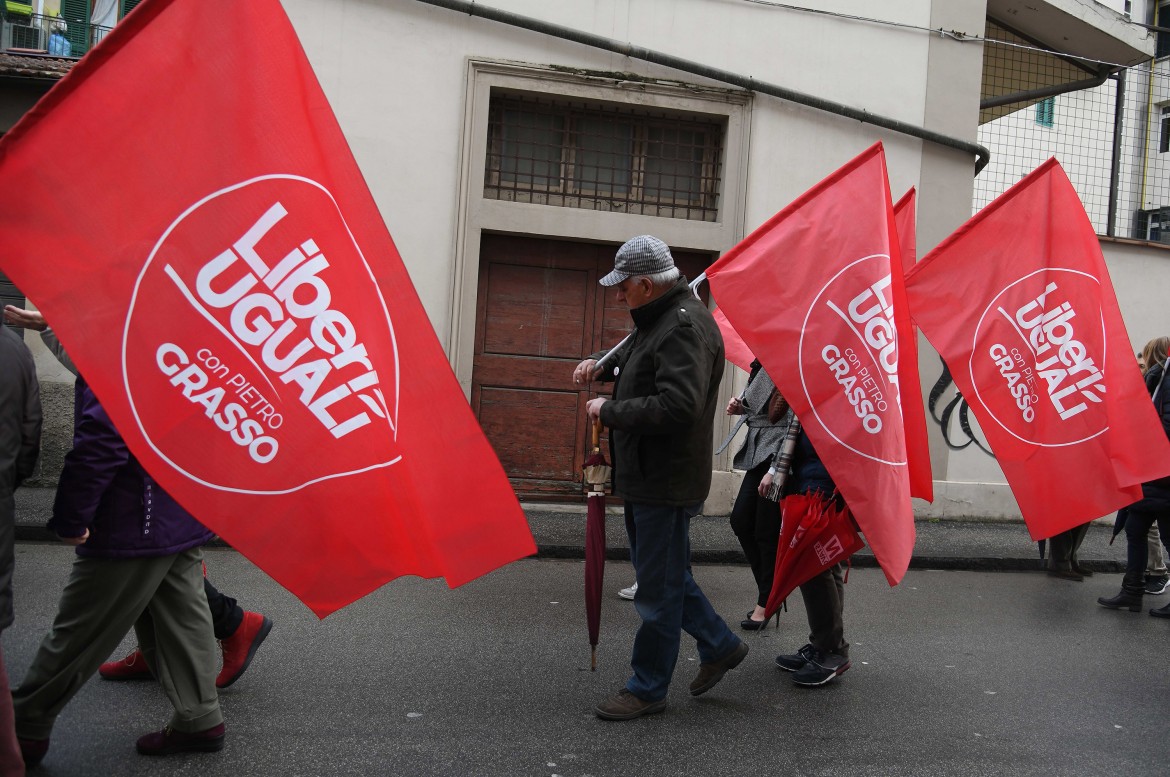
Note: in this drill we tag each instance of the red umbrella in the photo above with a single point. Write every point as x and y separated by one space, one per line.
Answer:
815 534
596 476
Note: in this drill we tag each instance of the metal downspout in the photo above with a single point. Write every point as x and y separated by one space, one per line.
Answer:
1040 94
1151 65
1115 158
983 156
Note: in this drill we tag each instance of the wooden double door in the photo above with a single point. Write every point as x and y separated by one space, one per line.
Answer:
540 310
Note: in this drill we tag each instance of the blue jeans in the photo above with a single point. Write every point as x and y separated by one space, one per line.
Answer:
669 600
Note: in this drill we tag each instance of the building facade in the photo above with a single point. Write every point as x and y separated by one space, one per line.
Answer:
510 162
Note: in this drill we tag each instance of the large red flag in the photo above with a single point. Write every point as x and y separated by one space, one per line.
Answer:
734 348
186 212
813 294
1019 303
913 413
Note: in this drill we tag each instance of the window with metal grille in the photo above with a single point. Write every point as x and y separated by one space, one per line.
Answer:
1164 137
598 157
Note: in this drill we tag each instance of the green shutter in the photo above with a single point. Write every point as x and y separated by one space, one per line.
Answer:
76 16
128 6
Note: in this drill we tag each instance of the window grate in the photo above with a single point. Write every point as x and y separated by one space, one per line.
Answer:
1113 146
602 158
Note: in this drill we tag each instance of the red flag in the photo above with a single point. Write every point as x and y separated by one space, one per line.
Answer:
813 294
814 536
1019 303
913 413
906 221
216 267
734 348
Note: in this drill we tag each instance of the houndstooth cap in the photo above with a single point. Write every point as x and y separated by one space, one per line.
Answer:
641 255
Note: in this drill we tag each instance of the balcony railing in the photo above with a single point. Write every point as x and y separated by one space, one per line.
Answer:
41 34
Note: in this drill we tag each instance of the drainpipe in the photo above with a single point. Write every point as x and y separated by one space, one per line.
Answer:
1115 160
715 74
1047 91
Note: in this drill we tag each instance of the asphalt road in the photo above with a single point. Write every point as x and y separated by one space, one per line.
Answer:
954 673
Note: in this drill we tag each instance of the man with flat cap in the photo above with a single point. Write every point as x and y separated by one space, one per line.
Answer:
661 417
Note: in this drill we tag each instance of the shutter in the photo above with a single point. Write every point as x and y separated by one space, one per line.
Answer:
128 6
76 16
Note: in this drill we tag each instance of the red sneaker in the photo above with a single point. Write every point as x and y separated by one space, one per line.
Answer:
240 648
168 741
132 667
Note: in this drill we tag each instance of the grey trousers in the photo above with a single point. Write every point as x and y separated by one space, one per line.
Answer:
1156 564
102 600
1064 547
824 605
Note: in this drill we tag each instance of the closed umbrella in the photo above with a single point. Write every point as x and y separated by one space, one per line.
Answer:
1119 523
596 476
815 534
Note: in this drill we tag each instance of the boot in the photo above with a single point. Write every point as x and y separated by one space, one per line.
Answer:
240 648
1124 600
1161 612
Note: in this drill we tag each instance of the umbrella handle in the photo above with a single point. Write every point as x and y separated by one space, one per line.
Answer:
596 434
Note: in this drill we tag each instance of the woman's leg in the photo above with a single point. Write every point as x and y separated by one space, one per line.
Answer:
743 517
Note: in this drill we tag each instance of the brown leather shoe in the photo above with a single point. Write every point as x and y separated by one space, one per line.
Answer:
710 674
168 741
624 705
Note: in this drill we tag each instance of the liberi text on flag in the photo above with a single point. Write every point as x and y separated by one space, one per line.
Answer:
813 292
241 310
1019 303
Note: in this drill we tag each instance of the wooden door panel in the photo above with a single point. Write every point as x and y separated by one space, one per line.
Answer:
493 370
527 430
540 310
535 311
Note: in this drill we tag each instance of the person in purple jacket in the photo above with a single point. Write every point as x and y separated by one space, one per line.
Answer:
239 632
137 549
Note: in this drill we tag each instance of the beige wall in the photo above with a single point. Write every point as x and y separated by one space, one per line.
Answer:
395 72
402 78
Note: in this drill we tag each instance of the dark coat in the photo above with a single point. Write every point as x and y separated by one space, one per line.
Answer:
20 443
1156 494
103 488
664 398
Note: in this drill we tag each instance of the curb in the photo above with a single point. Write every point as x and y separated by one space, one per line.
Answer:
861 560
